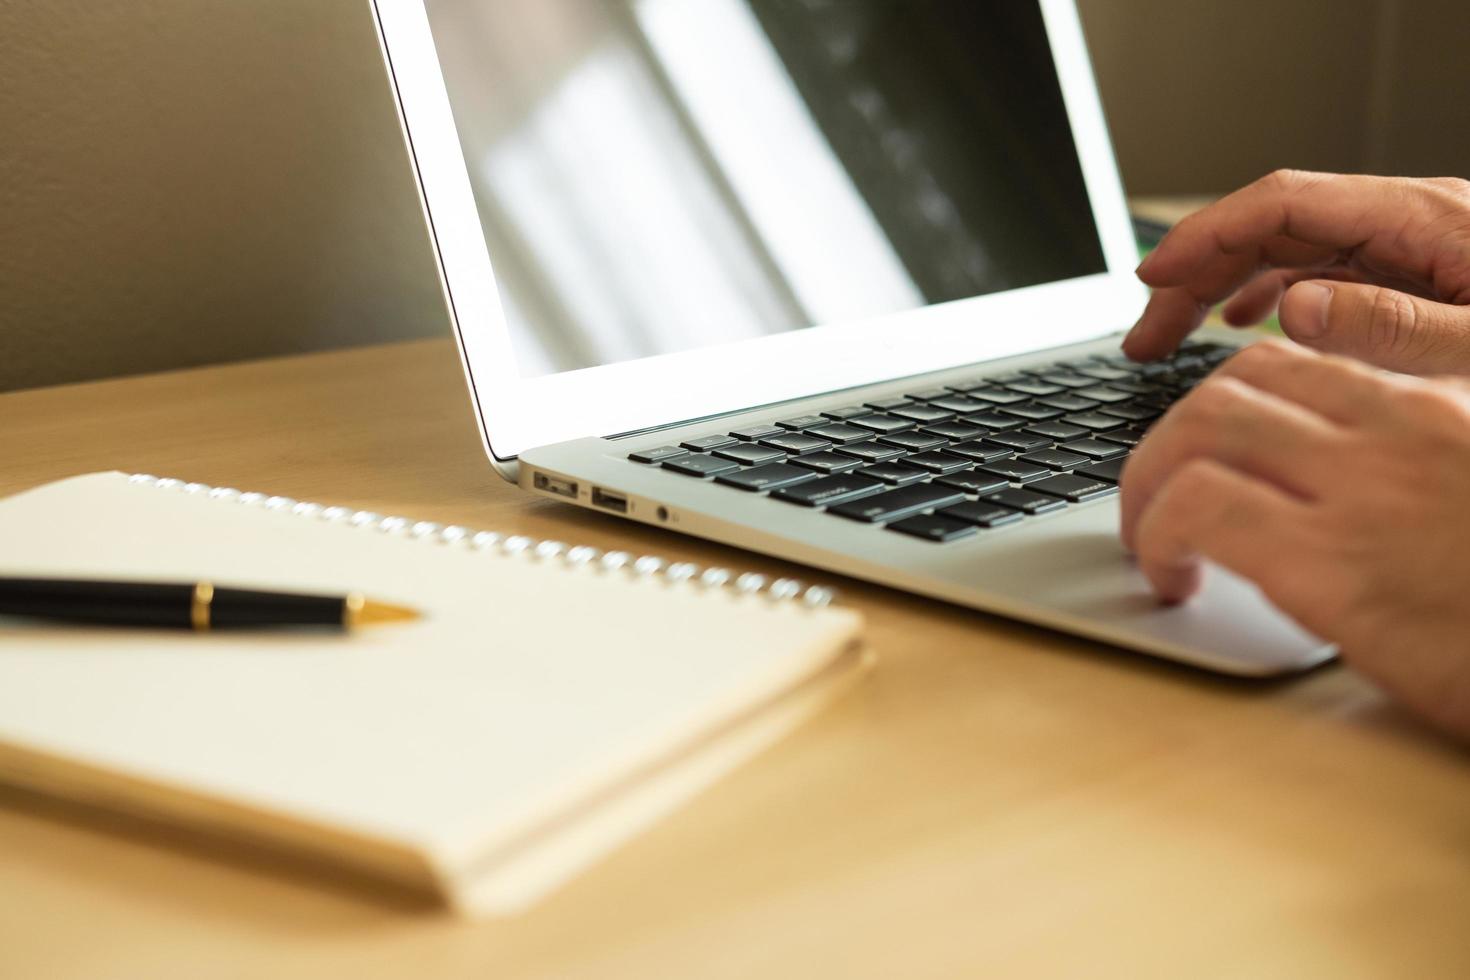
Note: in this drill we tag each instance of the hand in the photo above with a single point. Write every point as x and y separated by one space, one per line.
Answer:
1377 268
1341 491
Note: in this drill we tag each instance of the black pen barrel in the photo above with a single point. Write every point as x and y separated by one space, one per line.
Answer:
164 604
243 609
114 603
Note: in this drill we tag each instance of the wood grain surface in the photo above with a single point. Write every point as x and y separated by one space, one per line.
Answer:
995 800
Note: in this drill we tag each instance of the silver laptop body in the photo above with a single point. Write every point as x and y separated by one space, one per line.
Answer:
664 222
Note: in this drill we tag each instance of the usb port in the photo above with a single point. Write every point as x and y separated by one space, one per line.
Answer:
608 500
556 485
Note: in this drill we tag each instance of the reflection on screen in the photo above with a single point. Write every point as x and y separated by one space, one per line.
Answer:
660 175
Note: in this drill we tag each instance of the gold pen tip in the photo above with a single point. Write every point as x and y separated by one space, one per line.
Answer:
369 612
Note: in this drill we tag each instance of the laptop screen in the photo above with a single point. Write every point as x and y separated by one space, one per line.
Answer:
656 176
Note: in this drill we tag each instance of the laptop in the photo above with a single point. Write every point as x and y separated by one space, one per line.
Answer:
840 281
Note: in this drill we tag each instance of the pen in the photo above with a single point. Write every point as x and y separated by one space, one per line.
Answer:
199 605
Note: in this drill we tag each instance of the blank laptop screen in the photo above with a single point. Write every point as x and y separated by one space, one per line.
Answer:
655 176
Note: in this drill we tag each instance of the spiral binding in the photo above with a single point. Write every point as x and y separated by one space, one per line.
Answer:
516 545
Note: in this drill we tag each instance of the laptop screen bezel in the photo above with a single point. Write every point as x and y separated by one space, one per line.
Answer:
517 413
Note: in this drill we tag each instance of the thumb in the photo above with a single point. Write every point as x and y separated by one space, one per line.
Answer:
1382 326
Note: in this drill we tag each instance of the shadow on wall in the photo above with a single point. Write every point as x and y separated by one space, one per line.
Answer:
1204 97
188 181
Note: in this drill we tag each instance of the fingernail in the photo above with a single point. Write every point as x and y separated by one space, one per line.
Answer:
1314 300
1143 266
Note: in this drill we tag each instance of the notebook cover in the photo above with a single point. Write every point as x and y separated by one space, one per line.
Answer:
521 729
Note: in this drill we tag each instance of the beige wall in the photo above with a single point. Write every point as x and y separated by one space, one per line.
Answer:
1204 95
184 181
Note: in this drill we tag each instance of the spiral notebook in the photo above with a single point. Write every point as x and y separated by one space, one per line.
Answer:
552 702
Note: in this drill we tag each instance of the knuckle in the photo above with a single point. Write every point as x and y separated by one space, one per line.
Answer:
1393 321
1191 481
1214 400
1455 189
1433 403
1261 354
1286 180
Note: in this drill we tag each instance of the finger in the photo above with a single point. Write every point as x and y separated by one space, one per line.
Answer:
1343 391
1175 312
1170 316
1249 430
1209 511
1393 227
1384 327
1348 213
1260 297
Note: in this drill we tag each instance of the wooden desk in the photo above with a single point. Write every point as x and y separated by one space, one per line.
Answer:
994 801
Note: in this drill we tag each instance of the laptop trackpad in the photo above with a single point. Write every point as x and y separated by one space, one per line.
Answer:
1073 570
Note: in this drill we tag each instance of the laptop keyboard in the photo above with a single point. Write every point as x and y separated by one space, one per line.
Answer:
943 464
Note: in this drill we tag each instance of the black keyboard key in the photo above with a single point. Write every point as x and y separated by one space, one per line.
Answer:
1067 379
1024 500
883 424
1133 413
695 464
803 422
1104 394
1031 412
894 504
959 404
994 421
923 413
797 443
771 476
980 452
825 462
706 443
982 513
828 490
894 473
1103 372
1094 448
929 394
1057 430
850 412
1055 459
932 527
885 404
1129 437
657 455
840 433
1035 387
937 462
1110 470
746 452
756 432
1021 442
871 452
997 396
1162 402
1095 421
1135 387
1015 470
974 482
914 442
1071 487
1068 401
956 430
